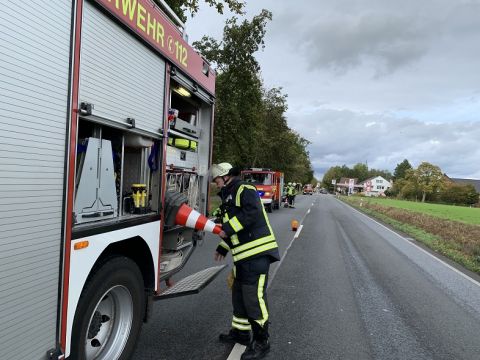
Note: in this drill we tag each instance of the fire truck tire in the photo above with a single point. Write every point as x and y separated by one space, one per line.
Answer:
270 208
110 312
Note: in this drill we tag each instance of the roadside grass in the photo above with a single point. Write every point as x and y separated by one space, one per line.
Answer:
449 212
456 240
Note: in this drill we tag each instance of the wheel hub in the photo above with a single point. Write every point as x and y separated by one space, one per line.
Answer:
95 325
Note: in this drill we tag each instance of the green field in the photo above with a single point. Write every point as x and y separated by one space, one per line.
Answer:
450 212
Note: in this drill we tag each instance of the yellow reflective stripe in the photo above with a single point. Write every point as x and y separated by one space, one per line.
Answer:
255 251
235 224
239 192
261 301
241 327
224 245
253 244
234 239
234 271
267 221
240 320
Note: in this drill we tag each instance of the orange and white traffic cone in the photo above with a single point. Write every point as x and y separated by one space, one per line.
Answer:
190 218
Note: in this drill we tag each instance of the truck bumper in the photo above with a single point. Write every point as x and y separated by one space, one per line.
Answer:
266 201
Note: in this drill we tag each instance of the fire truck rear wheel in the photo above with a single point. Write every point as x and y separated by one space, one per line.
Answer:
110 312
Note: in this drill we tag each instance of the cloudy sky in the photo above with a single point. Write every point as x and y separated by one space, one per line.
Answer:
374 81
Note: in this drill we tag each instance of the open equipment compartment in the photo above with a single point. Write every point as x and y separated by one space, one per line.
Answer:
118 174
187 163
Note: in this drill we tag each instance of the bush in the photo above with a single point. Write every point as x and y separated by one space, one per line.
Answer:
459 194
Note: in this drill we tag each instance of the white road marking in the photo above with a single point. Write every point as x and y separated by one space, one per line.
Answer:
297 234
308 211
237 351
284 254
473 281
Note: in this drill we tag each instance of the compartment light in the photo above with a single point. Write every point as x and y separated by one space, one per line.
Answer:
182 91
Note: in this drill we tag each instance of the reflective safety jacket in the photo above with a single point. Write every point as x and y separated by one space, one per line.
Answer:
290 190
246 224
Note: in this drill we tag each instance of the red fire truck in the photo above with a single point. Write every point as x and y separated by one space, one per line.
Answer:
269 186
104 109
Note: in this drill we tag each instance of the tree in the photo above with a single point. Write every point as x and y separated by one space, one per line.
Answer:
408 188
401 169
250 125
181 7
377 172
360 171
239 107
429 178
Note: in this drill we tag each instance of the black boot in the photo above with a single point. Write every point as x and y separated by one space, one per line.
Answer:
260 346
235 336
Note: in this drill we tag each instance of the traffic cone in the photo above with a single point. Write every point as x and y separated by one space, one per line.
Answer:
190 218
294 224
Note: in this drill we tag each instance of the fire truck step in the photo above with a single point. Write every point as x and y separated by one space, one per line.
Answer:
192 284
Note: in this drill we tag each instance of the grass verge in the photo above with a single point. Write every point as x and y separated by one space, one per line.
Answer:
450 212
455 240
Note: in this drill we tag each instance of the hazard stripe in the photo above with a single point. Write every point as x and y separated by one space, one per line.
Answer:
192 219
209 226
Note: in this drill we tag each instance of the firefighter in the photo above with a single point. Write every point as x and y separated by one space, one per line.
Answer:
290 195
247 233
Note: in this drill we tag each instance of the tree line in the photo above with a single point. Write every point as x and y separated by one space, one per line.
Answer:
251 127
359 171
427 182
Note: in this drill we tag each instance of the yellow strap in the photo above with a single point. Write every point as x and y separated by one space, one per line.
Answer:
255 251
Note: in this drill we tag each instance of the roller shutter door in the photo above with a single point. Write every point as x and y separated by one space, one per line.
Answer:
34 82
119 75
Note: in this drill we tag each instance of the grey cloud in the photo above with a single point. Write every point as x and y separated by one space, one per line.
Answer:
344 42
345 137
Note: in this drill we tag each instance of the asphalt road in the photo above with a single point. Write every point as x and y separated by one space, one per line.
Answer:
348 288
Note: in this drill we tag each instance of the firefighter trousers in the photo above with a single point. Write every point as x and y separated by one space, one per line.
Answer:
249 297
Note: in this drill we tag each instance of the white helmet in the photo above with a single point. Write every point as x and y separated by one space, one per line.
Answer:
289 184
294 184
221 169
